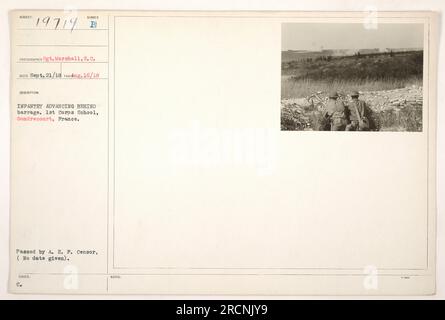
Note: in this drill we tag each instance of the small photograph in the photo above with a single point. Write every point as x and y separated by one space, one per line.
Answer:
346 77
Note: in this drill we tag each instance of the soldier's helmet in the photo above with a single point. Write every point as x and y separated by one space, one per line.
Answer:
355 94
333 95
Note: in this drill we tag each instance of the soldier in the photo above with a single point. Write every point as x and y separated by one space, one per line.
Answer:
358 114
335 113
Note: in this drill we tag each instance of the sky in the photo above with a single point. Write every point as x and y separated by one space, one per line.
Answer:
317 36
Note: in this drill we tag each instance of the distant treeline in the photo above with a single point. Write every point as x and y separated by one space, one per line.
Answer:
369 66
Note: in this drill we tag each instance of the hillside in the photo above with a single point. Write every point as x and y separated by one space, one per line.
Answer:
378 66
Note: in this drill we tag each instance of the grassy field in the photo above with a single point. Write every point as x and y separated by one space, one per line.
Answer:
372 72
292 88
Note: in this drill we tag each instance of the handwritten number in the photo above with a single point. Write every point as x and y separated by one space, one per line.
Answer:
57 24
72 22
46 20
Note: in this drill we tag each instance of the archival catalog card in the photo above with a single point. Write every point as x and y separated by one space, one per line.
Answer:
248 153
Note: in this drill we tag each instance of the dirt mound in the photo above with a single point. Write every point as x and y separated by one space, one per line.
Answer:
294 116
393 99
